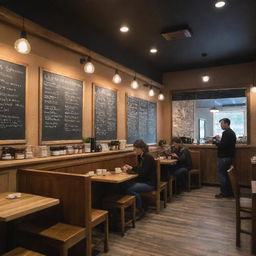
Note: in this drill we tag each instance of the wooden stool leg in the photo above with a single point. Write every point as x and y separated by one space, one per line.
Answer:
188 181
158 201
106 235
165 196
199 180
238 228
122 216
133 208
63 251
170 189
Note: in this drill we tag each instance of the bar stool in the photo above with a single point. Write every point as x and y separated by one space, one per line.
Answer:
122 202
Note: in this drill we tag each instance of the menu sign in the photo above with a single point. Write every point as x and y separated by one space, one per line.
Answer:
12 101
62 102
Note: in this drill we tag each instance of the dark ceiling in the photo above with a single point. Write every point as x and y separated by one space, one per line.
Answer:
227 35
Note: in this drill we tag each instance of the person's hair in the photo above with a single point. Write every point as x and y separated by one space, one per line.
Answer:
225 120
141 144
176 140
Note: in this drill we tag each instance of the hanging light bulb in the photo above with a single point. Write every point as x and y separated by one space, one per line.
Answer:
151 92
116 78
205 78
22 45
161 96
253 89
134 83
89 67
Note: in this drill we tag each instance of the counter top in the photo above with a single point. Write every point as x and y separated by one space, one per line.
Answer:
16 163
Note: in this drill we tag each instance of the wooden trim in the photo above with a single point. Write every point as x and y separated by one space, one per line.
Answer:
14 61
52 142
248 117
15 20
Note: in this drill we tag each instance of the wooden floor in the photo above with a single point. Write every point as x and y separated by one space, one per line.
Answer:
194 223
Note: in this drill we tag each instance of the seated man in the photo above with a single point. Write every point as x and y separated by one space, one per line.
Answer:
184 161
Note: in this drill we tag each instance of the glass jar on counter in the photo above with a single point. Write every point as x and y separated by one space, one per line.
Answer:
29 152
70 149
19 153
80 149
55 151
75 149
43 151
7 153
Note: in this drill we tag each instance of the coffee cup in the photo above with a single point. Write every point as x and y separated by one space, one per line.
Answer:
91 173
104 171
118 170
99 171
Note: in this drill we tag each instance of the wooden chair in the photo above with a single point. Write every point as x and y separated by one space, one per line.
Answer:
74 192
122 202
161 187
243 204
22 252
170 188
195 171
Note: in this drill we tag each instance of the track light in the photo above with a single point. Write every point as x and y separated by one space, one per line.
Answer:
116 78
22 45
88 67
151 92
134 83
161 96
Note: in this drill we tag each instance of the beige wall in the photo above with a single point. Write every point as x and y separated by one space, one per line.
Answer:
230 76
60 60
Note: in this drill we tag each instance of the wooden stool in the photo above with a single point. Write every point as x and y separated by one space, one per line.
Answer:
98 217
62 236
170 182
22 252
194 172
122 202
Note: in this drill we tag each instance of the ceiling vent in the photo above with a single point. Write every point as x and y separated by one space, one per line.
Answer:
178 34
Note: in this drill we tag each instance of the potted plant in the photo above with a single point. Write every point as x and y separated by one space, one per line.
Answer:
87 144
161 143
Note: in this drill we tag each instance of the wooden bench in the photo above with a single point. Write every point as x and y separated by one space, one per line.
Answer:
22 252
74 193
122 202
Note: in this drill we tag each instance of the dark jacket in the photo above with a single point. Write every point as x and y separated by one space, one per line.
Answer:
227 144
146 169
184 157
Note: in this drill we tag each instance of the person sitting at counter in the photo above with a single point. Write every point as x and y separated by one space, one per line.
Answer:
146 170
184 161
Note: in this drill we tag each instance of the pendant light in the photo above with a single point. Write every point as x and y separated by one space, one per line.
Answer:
161 96
22 45
88 66
214 110
134 83
151 92
116 78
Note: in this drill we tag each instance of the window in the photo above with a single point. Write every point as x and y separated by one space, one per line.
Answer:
196 115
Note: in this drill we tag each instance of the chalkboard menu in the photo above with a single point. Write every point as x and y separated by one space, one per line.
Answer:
105 113
141 120
12 101
62 103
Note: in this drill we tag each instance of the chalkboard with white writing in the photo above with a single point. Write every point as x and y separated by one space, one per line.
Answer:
62 104
105 113
12 102
141 120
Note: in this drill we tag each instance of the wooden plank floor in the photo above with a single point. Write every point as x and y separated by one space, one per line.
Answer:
194 223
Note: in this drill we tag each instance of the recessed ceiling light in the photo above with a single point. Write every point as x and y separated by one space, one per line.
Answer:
205 78
220 4
153 50
124 29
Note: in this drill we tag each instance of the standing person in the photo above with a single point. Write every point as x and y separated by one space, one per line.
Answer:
184 161
146 170
226 151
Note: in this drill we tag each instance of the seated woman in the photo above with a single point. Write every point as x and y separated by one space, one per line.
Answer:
146 170
184 164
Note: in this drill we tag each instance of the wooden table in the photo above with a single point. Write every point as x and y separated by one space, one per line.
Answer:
114 178
11 209
254 216
168 161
